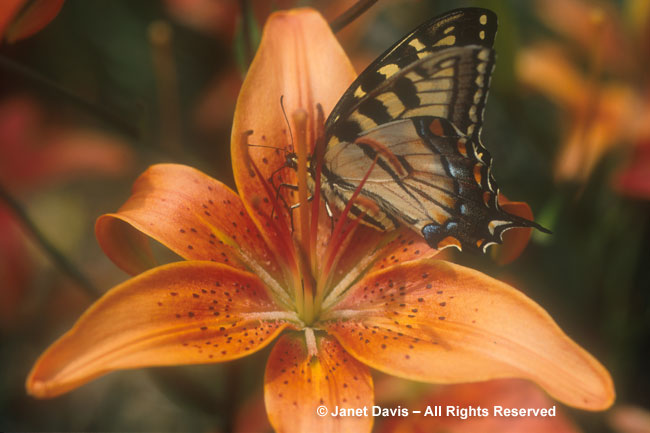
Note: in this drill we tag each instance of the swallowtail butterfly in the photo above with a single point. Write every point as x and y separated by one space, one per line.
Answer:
417 110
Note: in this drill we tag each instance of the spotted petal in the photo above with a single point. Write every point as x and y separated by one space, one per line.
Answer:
182 313
439 322
516 239
297 383
197 217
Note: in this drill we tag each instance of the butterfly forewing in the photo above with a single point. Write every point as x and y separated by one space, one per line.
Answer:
417 111
459 28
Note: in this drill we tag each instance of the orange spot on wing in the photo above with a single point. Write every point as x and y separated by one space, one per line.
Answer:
462 149
367 205
449 241
478 176
436 128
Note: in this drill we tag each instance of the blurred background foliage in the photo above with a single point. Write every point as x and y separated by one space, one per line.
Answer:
110 87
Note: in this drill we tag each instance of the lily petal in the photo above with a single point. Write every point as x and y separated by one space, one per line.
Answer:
439 322
367 254
8 11
181 313
297 382
493 396
407 246
514 240
33 19
300 61
192 214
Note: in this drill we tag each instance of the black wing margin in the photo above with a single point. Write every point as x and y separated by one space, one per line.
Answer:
457 28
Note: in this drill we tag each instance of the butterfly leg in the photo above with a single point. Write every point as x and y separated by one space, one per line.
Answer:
279 196
290 207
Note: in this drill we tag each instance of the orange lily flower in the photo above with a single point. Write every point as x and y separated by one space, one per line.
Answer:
630 419
339 300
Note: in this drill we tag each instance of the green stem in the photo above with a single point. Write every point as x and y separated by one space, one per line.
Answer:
351 14
59 260
246 14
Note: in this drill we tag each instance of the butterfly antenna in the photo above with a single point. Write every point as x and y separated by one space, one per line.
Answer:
286 119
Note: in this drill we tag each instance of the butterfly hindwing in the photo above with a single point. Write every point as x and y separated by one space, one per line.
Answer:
423 178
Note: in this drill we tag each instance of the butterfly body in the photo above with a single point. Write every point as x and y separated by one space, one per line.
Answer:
417 112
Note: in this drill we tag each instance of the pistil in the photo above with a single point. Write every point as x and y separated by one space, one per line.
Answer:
299 118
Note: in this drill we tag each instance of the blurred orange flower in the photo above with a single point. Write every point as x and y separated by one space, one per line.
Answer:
18 21
634 178
348 297
600 113
630 419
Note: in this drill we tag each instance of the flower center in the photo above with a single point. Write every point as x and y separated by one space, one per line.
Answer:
312 242
316 265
